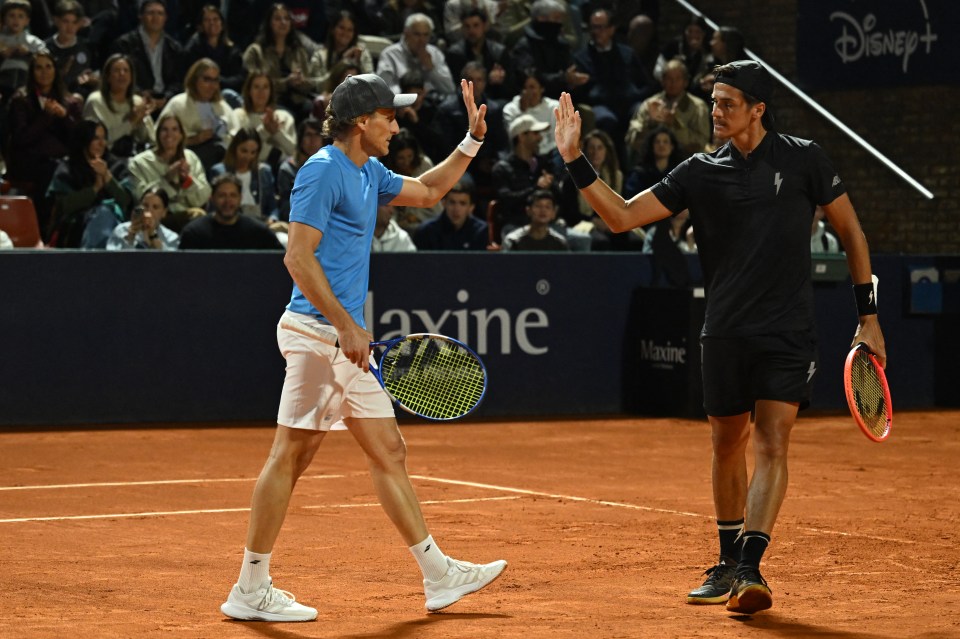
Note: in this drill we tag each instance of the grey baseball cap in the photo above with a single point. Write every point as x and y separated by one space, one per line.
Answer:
365 93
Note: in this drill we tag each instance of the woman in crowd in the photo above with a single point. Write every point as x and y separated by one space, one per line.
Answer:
274 125
341 47
176 170
145 230
87 191
405 157
206 117
125 114
659 154
726 45
309 141
211 41
691 46
258 197
598 147
285 54
41 119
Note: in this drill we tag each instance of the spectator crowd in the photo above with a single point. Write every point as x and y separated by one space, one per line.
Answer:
166 124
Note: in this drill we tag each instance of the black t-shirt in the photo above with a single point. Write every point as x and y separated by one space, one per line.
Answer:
751 219
206 233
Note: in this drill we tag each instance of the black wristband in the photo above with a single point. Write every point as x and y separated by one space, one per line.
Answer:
866 299
582 172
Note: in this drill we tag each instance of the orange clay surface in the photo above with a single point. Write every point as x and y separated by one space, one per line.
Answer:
138 532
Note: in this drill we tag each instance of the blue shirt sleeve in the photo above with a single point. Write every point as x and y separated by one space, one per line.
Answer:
389 183
310 204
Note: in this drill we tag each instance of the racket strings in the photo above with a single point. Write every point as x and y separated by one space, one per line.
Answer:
433 377
869 395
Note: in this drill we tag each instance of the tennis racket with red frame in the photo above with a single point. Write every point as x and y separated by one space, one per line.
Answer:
868 394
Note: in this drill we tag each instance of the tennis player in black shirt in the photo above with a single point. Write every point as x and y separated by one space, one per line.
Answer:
751 203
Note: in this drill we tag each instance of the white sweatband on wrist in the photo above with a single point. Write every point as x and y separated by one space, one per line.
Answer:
470 145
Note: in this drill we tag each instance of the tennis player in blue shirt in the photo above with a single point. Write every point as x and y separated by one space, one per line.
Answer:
751 203
333 211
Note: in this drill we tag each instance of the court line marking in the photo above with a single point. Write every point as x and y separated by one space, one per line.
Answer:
125 515
454 482
206 511
157 482
425 501
618 504
537 493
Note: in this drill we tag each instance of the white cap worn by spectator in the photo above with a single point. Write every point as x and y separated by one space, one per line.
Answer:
524 123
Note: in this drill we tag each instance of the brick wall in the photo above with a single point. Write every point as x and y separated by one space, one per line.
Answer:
916 128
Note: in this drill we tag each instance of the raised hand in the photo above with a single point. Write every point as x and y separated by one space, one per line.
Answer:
475 114
270 121
567 133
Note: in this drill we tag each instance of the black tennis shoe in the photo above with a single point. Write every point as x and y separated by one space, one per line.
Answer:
716 588
750 592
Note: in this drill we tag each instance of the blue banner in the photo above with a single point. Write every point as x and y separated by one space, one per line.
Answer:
149 336
846 44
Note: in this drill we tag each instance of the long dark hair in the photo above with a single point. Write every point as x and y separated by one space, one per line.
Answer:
647 157
160 193
404 139
58 91
179 153
105 91
309 123
248 85
83 134
265 37
734 42
224 38
245 134
334 56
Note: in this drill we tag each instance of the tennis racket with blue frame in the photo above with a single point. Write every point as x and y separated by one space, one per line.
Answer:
428 375
432 376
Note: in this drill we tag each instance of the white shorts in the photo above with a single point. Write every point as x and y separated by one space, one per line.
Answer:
322 386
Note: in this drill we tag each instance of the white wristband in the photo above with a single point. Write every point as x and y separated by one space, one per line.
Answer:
469 146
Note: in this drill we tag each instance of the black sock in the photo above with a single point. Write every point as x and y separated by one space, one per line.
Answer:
731 540
754 545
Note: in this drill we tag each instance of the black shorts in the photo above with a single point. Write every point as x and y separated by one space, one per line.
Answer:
737 371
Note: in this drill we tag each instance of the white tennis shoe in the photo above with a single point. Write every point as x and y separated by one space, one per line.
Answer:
266 604
462 578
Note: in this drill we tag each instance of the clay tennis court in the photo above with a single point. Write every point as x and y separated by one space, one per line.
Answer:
137 532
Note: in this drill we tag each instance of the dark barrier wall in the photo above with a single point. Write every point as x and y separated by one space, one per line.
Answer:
154 337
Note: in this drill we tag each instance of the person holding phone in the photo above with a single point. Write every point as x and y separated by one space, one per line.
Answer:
145 230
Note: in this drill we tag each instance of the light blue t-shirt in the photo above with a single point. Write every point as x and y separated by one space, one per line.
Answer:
334 196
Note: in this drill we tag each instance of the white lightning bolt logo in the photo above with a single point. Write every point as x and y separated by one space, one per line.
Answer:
870 298
777 181
813 369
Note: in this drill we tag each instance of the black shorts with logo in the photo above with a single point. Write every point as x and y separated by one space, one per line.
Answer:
737 371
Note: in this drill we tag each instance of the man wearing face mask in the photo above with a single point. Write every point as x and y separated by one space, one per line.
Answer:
543 47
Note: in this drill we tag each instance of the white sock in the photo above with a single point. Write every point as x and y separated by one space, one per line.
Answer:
255 571
432 562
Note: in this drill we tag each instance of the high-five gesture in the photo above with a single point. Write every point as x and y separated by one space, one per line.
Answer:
475 114
567 132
